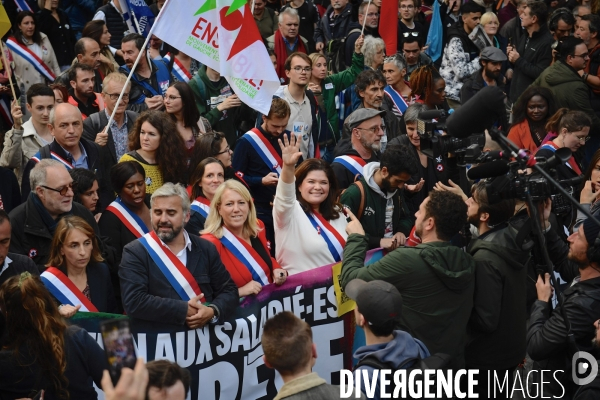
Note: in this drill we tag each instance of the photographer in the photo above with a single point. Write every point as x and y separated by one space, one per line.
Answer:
498 320
547 335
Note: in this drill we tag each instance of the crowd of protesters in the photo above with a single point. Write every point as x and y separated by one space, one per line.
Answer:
190 199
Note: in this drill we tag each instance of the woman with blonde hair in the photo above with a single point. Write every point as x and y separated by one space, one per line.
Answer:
240 239
75 274
490 24
39 351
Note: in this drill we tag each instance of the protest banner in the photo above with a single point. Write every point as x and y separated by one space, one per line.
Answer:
222 35
225 361
137 15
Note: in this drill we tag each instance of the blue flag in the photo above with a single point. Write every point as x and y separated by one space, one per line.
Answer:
435 35
138 16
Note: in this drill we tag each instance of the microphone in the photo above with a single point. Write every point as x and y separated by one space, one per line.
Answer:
576 181
494 155
478 114
432 114
488 170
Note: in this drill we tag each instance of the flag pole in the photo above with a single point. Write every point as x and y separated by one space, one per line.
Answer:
365 20
137 60
137 24
9 74
252 8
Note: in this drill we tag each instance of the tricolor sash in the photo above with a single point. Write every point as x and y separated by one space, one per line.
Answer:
335 242
64 290
265 150
202 206
176 273
22 5
397 99
133 222
571 163
38 157
179 70
354 164
31 58
247 255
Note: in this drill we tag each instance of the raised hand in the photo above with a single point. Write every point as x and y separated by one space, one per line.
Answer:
290 150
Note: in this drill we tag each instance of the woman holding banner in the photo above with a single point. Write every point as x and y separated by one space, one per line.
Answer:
204 182
310 228
240 239
40 353
128 217
75 274
32 53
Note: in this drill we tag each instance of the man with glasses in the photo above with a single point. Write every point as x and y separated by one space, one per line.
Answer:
112 141
564 80
33 222
371 16
407 24
70 149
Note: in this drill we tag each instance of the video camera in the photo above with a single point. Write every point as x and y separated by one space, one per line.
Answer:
430 125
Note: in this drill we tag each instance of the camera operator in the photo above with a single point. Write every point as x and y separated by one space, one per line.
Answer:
498 320
547 335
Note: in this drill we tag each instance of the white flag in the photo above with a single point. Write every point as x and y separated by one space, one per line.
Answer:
222 34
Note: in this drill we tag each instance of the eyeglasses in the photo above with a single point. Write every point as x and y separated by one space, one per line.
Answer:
407 7
583 139
299 69
374 129
227 150
171 98
63 190
115 96
407 34
584 55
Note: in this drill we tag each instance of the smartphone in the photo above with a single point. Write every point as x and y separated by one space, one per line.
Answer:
118 346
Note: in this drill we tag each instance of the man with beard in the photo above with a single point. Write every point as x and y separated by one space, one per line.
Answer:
377 198
490 74
81 94
167 276
435 278
362 147
547 336
498 321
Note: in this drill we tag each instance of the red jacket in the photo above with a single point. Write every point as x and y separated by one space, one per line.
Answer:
238 271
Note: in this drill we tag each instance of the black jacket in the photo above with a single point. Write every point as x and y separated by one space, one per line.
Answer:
535 55
10 194
497 324
31 237
60 34
149 298
474 83
547 333
324 32
344 177
19 264
94 162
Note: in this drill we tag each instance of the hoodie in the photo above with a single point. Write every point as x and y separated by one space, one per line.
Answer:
498 321
436 281
401 348
374 219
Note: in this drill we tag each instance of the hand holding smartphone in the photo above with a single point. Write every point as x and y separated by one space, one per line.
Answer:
118 346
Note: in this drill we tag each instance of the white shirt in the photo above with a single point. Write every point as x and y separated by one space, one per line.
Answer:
182 255
100 14
5 266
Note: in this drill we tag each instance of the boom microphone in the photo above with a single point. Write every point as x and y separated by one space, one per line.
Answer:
478 114
488 170
432 114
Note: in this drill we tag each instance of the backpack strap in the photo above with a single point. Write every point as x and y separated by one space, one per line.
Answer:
361 207
45 152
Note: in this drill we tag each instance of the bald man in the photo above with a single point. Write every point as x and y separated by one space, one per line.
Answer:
69 148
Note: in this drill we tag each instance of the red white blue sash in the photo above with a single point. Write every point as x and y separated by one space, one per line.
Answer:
176 273
354 164
133 222
179 70
202 206
31 58
247 255
264 149
22 5
64 290
38 157
335 241
397 99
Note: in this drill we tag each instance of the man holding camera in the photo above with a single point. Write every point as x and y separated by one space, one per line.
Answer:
547 336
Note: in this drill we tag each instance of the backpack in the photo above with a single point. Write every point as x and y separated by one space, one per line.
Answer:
336 53
438 361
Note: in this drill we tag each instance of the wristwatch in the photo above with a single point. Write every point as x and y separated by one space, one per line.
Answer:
214 319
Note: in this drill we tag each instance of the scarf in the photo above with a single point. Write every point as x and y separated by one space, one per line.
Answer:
281 52
44 214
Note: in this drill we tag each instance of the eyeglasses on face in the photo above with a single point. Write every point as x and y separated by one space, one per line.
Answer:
300 69
115 96
63 190
407 7
373 129
583 139
584 55
227 150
